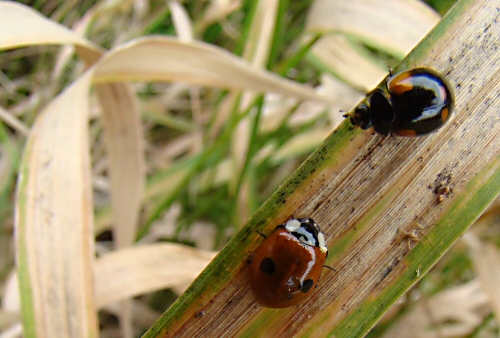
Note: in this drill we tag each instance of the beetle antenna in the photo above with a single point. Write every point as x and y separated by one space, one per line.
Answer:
346 113
428 241
423 235
260 233
330 267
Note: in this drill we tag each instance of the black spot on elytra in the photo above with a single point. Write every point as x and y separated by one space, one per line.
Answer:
307 285
267 266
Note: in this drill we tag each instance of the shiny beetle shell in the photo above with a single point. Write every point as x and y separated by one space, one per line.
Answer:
416 102
286 267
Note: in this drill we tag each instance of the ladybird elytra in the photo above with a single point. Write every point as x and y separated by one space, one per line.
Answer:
414 102
444 114
286 267
407 133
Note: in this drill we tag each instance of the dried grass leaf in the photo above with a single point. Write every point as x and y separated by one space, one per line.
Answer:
15 331
217 10
300 144
10 295
167 59
22 26
125 147
54 221
393 25
144 316
182 24
145 268
455 312
10 309
261 33
12 121
349 62
486 261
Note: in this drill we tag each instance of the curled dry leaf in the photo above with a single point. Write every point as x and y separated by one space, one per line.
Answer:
22 26
167 59
144 268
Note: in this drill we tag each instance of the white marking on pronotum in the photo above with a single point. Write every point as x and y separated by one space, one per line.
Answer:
322 243
306 237
292 225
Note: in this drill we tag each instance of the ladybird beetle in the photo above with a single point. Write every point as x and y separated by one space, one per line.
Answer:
416 102
286 267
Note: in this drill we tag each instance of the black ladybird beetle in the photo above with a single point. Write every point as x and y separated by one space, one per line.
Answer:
416 102
286 267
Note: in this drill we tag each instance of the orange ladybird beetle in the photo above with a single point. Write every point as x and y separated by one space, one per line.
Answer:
415 102
286 267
